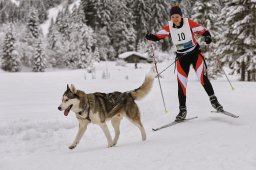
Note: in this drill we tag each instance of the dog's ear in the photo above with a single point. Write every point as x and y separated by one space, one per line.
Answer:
68 87
73 89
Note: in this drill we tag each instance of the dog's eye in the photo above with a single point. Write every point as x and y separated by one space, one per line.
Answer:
66 100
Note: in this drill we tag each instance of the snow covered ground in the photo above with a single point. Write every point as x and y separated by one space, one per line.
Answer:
34 135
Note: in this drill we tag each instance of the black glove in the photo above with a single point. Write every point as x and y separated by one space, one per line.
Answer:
207 39
152 37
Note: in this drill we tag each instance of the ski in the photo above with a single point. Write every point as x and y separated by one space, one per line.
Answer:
173 123
226 113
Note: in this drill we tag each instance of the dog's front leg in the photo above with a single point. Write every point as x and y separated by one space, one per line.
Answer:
104 127
83 123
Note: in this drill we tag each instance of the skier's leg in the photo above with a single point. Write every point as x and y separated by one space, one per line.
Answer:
201 71
183 65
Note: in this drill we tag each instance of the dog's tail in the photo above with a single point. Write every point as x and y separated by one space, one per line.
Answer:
136 94
146 86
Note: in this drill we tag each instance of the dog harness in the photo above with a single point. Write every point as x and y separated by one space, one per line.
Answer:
89 98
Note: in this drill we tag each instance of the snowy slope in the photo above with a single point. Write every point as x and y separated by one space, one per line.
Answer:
16 2
53 13
34 135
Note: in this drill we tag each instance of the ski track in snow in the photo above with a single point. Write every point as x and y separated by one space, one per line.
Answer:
35 135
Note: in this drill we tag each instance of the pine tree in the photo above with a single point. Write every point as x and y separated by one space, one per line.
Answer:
119 39
141 11
81 53
11 59
15 60
238 44
42 11
63 23
3 16
58 48
186 6
90 12
251 41
206 13
14 12
104 12
29 37
159 14
131 38
98 13
33 23
58 40
118 26
39 60
52 45
106 50
52 35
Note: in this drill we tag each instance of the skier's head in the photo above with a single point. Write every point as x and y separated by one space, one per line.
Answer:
175 10
176 14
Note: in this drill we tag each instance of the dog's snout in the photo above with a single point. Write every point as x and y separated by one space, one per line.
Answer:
59 108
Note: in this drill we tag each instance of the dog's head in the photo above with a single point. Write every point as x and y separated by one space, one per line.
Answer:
70 100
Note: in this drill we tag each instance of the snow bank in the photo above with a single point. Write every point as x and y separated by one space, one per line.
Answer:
35 135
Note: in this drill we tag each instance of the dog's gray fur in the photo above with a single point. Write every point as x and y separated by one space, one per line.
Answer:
100 107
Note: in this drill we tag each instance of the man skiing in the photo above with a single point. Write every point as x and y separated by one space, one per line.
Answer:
188 52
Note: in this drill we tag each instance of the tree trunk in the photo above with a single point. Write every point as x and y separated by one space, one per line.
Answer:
254 75
242 71
248 75
137 42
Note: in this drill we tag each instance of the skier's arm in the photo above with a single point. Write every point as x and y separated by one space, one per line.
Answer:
164 32
199 29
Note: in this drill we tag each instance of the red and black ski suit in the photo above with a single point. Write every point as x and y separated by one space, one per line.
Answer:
189 56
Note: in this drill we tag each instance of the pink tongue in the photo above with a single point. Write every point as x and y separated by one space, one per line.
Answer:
66 112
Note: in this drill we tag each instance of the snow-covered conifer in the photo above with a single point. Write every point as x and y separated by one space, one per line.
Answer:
238 43
141 11
11 59
33 23
39 60
206 13
159 10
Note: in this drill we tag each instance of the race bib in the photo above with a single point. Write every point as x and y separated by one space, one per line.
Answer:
181 37
185 45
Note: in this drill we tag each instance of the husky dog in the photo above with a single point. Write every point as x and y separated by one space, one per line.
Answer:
98 108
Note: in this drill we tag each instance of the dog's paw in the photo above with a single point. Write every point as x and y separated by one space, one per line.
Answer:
72 147
144 138
111 145
114 143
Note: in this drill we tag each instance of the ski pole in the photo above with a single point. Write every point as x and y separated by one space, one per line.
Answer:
154 60
167 67
218 60
177 58
232 88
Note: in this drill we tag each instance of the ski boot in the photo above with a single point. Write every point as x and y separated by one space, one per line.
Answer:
215 104
182 114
